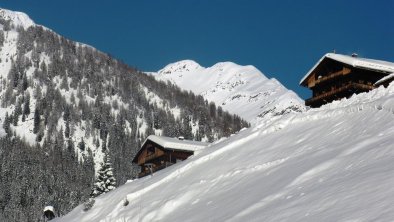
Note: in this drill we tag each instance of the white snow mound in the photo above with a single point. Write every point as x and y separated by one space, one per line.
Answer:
335 163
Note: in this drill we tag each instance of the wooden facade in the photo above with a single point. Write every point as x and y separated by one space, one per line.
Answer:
332 80
155 155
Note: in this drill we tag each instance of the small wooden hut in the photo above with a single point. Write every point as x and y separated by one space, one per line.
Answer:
159 152
49 213
337 76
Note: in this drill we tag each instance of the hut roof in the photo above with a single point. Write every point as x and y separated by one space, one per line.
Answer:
170 143
177 144
363 63
384 79
50 208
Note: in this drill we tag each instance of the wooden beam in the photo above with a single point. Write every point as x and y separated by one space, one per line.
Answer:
311 80
342 72
339 90
346 70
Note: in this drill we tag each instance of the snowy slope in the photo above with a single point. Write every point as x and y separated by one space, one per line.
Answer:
8 50
18 18
28 56
242 90
335 163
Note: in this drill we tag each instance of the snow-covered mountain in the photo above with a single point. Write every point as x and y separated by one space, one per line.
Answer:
22 48
334 163
242 90
66 106
17 18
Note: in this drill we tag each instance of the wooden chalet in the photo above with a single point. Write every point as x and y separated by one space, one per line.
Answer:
159 152
337 76
49 213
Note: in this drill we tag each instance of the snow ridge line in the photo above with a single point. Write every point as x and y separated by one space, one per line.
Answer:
189 164
315 114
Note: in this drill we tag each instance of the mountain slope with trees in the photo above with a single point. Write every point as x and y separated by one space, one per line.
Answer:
69 103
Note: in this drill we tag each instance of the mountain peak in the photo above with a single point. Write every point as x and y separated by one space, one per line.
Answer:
17 18
234 68
180 66
239 89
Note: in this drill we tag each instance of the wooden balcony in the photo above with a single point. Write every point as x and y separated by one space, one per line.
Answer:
331 76
156 168
153 156
338 91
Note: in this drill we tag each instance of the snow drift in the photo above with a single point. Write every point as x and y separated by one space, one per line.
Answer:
335 163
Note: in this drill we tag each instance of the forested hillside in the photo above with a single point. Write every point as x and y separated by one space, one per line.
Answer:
64 105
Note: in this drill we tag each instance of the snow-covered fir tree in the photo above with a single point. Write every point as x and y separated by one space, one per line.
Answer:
105 180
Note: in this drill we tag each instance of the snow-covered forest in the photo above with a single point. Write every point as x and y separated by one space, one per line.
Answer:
65 104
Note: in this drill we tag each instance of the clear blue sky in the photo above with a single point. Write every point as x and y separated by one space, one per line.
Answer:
283 39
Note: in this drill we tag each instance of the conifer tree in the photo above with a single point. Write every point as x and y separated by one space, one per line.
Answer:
105 180
67 130
6 123
17 112
36 121
81 145
26 107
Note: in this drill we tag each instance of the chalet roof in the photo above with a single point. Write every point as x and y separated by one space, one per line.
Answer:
384 79
50 208
177 144
363 63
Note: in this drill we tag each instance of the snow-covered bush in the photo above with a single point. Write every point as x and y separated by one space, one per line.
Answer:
89 204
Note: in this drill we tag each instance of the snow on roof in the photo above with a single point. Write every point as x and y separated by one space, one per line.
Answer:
50 208
391 76
177 144
372 64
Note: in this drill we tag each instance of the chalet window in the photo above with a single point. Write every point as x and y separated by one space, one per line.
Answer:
150 150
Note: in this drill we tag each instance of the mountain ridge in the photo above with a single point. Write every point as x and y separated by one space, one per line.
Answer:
242 90
18 18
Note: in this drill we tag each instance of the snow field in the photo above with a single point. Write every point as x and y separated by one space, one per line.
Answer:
328 164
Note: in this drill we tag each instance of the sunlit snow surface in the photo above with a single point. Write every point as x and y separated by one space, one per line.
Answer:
335 163
241 90
17 18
